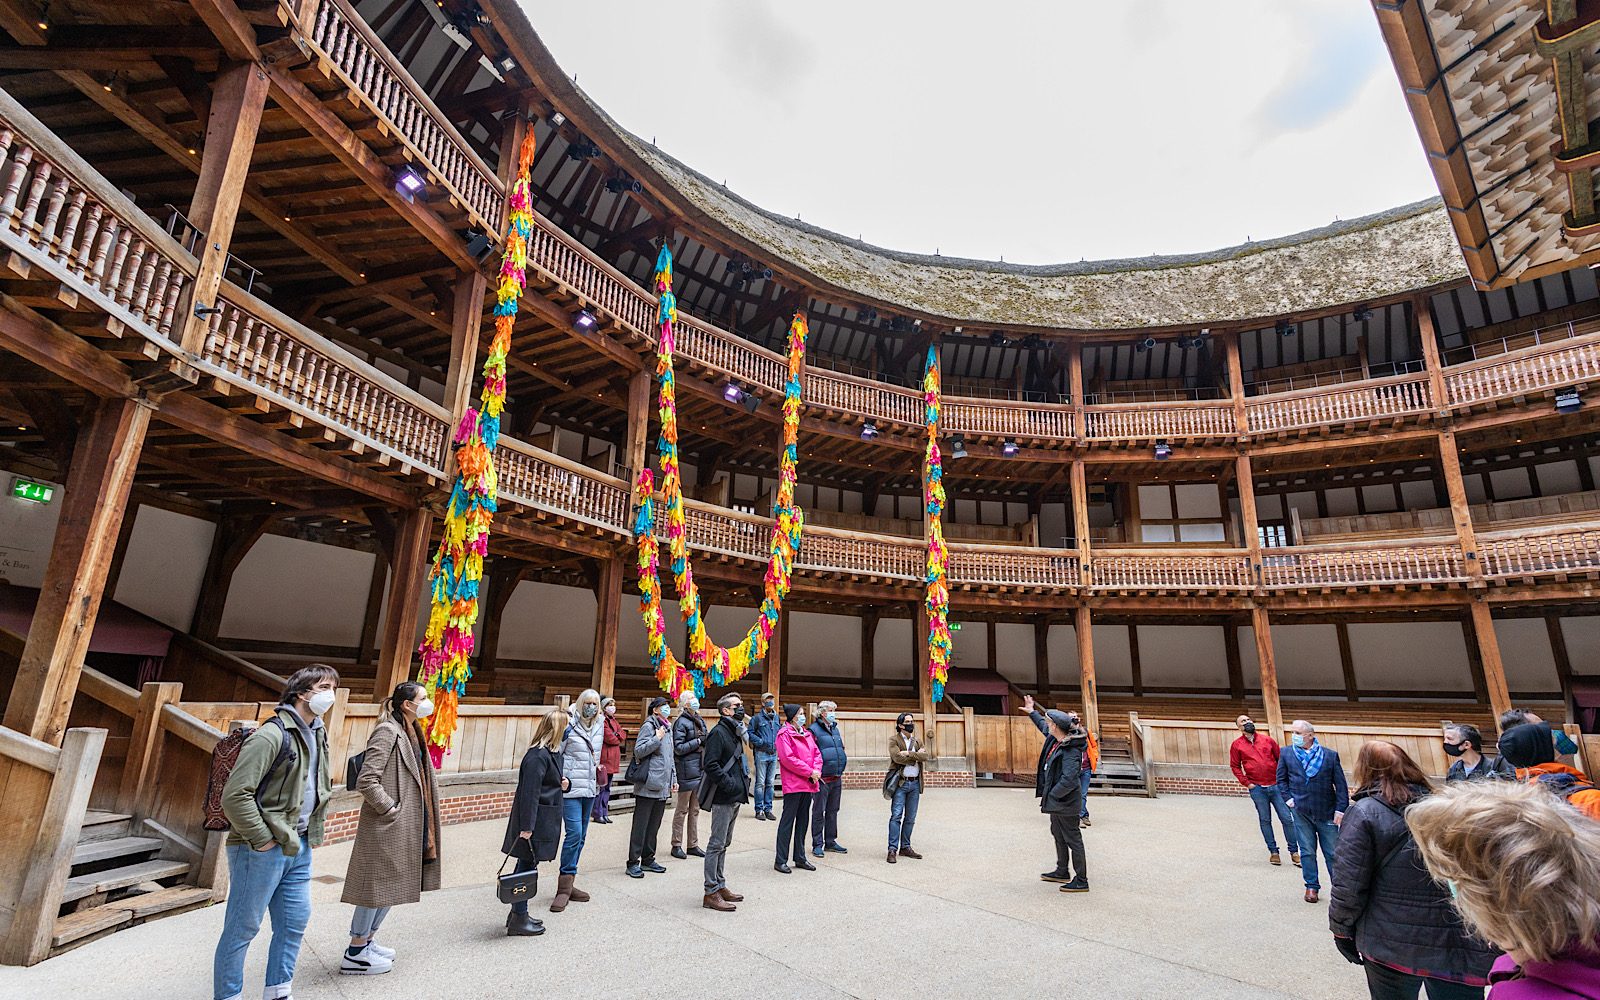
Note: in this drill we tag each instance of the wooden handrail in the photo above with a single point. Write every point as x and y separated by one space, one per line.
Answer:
25 749
188 728
109 692
244 668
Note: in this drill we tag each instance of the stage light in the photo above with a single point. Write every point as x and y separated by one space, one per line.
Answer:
1568 401
869 430
557 120
751 402
866 314
1284 328
1009 448
1362 314
1147 344
408 182
1163 451
958 447
583 149
585 320
622 183
998 339
506 64
479 245
732 393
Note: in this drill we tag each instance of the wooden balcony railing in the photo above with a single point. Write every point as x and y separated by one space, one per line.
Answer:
349 49
1148 421
1362 565
1545 553
573 266
1396 396
1010 418
537 478
1015 566
252 345
852 394
1532 369
58 213
1192 569
827 550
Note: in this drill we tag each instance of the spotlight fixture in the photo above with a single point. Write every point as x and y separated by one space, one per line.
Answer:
1568 401
557 119
1032 341
1147 344
584 320
732 392
958 447
506 63
1163 451
479 245
866 314
899 324
1362 314
1284 328
869 430
583 149
1009 448
408 182
622 183
998 339
751 402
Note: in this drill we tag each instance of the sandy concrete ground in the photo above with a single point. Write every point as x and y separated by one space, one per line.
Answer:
1183 905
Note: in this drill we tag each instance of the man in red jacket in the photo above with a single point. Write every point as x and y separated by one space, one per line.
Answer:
1253 759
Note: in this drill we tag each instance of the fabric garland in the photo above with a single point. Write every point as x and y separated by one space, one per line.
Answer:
458 563
708 662
937 599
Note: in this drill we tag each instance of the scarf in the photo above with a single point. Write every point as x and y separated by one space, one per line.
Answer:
1310 757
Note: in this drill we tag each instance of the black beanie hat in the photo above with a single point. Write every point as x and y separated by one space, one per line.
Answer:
1528 745
790 710
656 703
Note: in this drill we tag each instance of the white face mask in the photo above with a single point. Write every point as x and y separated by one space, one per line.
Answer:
611 710
693 704
800 718
424 708
320 702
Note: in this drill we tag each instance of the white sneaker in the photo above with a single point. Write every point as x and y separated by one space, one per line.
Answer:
365 962
380 950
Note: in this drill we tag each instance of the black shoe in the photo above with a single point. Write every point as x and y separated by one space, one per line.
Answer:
771 817
696 852
782 866
1055 877
634 871
677 852
523 927
803 863
652 868
1076 885
837 849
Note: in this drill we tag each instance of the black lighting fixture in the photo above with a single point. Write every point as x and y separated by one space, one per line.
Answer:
998 339
1284 328
1568 401
1163 451
958 447
584 320
869 430
866 314
1362 314
900 324
1032 341
479 245
409 182
581 150
472 17
623 184
557 119
732 392
1009 448
1145 344
751 402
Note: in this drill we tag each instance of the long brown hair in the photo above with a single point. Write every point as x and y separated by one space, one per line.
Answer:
1391 771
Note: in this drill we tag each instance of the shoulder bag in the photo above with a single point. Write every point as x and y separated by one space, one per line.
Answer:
517 887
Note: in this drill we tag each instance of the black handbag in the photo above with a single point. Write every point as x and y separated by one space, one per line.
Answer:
352 770
517 887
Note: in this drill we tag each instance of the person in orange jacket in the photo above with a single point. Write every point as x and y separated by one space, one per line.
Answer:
1531 749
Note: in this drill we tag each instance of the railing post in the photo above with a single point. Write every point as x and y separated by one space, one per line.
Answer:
143 763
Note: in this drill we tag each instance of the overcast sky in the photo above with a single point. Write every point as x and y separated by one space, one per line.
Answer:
1035 131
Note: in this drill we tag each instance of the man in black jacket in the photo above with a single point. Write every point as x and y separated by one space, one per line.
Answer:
724 787
1056 783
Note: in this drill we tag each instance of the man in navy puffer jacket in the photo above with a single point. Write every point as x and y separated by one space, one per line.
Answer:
825 802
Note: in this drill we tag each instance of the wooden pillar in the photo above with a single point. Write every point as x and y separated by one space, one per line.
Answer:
919 647
607 625
1083 626
992 653
1135 668
1558 652
1080 520
1460 511
368 650
1428 339
1347 662
405 595
1494 671
1230 648
466 326
1041 656
1230 343
95 498
777 653
1080 428
869 641
1260 623
633 452
1480 683
236 535
237 100
1244 481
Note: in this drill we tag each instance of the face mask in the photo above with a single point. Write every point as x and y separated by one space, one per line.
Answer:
1454 749
320 702
424 708
800 718
1250 727
738 712
767 705
665 711
693 705
611 710
908 727
588 710
1297 740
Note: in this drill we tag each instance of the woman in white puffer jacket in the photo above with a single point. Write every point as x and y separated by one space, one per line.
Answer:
580 756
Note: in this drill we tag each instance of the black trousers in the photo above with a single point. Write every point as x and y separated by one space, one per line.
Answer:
1384 983
647 815
792 825
1069 844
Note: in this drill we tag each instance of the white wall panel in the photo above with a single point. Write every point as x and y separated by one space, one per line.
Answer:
1411 656
1180 656
1525 650
165 565
301 591
1307 656
1013 643
545 622
823 644
891 648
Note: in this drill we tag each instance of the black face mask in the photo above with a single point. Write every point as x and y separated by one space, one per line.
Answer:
1250 727
908 727
738 712
1455 749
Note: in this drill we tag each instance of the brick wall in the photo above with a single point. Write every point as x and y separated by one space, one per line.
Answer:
930 779
1198 786
465 808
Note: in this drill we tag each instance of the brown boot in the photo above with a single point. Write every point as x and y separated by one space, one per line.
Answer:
713 901
892 856
563 893
731 897
577 894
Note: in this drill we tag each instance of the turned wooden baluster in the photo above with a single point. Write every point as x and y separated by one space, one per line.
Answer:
30 208
48 238
256 359
146 274
19 174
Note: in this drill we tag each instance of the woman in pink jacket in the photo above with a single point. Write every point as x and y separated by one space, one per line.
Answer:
800 765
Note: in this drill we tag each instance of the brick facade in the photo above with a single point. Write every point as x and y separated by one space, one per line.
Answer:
466 808
930 779
1198 786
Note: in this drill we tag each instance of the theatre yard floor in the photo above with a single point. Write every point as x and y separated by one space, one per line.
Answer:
1184 904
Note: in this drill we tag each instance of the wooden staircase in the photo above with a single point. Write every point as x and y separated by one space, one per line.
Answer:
1118 773
118 879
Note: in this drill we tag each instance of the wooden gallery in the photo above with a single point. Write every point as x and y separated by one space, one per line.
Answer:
253 255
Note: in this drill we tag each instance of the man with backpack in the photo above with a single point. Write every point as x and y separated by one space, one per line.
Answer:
1531 749
274 799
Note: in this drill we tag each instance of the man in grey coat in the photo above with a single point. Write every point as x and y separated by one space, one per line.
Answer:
688 739
653 749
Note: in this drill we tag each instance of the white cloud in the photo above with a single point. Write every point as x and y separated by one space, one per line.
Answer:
1040 132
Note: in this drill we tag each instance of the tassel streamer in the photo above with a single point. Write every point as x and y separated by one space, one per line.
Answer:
937 598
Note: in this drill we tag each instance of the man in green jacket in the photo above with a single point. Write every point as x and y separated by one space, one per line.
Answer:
275 800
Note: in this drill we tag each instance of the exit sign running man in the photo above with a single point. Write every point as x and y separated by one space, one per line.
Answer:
33 492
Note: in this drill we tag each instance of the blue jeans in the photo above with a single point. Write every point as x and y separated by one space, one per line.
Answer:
1310 832
520 907
575 819
903 815
766 771
1269 799
263 882
1083 786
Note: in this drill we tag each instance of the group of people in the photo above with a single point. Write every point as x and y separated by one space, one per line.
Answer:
1493 881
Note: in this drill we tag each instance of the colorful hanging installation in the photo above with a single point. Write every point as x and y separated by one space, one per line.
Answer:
458 564
707 660
937 599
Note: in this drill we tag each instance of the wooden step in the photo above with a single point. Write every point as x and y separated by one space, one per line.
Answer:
80 886
123 912
163 900
85 922
101 825
105 850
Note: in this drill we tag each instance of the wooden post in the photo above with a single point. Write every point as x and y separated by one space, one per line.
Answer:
1241 417
919 646
45 879
1041 655
1080 520
992 652
405 594
1494 671
96 495
1245 482
639 425
1558 652
1084 627
1080 429
1135 667
607 624
369 619
1429 341
237 101
869 642
236 535
143 762
1460 511
1261 625
1347 662
777 653
338 738
1230 649
466 325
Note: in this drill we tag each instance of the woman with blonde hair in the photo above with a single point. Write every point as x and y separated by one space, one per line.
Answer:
581 746
1386 913
1524 868
533 830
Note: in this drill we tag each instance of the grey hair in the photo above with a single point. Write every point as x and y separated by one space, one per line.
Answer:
823 706
727 700
683 699
1309 727
589 694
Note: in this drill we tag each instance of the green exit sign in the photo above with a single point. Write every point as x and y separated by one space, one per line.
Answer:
955 626
27 489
